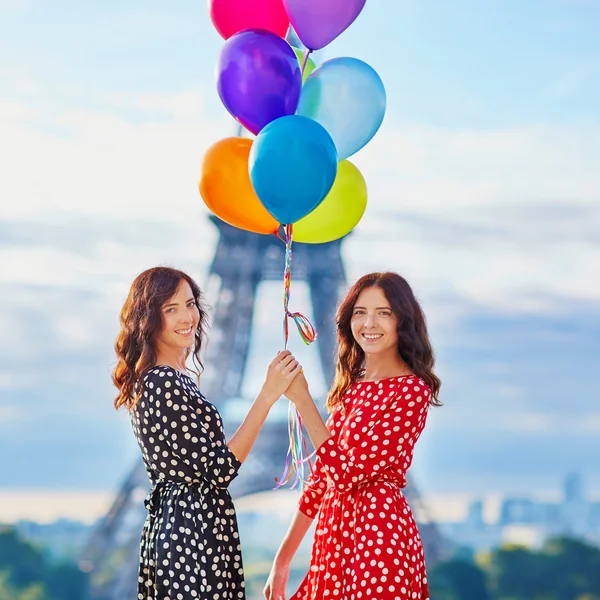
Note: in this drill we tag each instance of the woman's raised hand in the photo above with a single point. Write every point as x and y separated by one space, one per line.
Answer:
284 368
297 391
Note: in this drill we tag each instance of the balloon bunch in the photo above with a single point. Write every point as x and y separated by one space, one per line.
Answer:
307 120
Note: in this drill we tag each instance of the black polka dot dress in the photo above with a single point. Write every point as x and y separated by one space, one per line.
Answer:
190 547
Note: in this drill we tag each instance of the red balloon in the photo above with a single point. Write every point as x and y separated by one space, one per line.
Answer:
232 16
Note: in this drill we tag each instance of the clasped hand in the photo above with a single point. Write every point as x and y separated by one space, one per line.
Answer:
285 377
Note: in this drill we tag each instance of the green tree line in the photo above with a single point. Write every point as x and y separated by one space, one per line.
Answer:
26 573
563 569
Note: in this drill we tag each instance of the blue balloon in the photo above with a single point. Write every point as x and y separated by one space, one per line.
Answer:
293 164
348 98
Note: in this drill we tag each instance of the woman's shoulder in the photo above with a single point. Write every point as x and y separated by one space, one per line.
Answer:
163 377
160 371
395 386
412 387
390 382
413 381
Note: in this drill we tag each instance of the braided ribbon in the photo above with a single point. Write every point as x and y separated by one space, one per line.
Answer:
297 455
305 327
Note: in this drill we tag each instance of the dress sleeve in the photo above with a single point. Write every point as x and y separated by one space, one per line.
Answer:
314 490
388 441
185 425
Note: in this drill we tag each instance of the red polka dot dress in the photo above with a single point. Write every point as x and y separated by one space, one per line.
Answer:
366 544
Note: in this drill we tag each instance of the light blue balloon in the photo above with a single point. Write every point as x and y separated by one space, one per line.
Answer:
348 98
293 164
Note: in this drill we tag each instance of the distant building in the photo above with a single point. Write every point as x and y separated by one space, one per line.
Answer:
530 522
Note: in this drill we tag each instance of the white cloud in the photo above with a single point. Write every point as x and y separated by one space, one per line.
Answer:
76 298
13 3
46 506
101 164
8 381
505 219
10 414
437 170
510 418
500 275
175 106
590 423
108 261
77 331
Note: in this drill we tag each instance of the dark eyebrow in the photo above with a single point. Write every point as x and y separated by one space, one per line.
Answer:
192 299
378 308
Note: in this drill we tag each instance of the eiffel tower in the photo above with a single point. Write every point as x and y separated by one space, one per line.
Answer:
241 262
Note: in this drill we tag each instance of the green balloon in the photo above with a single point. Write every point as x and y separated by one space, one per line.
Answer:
340 211
310 64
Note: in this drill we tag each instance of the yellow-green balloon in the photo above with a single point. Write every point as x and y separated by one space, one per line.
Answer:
310 64
340 211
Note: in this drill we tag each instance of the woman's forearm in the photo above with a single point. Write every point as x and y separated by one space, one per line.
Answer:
282 371
243 439
312 420
293 538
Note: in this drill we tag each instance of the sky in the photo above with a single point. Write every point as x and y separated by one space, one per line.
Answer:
484 192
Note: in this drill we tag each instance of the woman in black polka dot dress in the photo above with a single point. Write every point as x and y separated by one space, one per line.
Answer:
190 547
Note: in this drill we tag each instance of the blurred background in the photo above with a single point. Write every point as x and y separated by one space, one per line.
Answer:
484 187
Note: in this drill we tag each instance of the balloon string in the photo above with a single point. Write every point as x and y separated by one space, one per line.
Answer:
297 454
306 55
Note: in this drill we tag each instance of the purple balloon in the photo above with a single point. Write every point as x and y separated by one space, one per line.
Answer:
259 78
319 22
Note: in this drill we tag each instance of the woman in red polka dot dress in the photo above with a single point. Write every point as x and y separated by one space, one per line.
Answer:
366 543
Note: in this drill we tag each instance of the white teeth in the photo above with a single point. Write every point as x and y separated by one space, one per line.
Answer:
184 331
372 336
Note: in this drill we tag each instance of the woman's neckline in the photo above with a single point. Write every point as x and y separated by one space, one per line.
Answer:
172 368
384 378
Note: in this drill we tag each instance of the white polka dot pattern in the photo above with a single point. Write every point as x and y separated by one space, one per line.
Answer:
190 548
366 544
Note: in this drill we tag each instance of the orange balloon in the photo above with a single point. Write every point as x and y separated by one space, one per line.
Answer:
226 188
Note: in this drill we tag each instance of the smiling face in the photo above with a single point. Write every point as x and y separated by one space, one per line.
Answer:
373 323
180 318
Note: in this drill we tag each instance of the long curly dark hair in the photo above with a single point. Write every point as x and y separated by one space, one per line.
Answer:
141 321
414 346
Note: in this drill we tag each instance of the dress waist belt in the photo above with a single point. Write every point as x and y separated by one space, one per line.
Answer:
152 500
393 478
